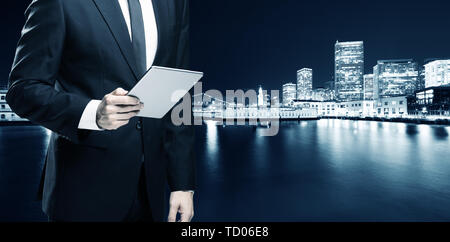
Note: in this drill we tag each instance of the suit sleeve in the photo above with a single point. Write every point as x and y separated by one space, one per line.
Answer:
35 70
179 140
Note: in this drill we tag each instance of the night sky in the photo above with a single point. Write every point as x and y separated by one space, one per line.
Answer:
245 43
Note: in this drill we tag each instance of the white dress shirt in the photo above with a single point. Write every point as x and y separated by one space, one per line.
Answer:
88 120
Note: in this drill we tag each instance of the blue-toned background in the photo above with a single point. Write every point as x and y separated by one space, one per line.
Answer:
325 170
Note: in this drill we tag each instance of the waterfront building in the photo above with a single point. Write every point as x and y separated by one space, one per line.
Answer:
309 104
355 109
437 73
304 84
6 114
395 78
391 107
295 113
349 70
289 94
328 109
432 101
369 88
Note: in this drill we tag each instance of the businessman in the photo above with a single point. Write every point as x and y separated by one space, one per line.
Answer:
74 63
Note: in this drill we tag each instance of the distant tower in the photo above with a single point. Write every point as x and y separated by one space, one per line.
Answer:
260 97
304 83
349 70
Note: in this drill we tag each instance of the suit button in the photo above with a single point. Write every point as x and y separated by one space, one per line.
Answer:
139 125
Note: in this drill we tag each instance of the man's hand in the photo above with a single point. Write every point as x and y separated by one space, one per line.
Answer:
182 203
116 110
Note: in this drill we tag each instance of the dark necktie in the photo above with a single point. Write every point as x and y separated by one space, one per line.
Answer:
138 36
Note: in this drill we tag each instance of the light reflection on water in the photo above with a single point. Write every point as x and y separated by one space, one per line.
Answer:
327 170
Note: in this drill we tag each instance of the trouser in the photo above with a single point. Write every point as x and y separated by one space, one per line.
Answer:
140 209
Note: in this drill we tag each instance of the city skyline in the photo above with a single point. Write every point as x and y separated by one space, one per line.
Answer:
275 38
389 78
232 54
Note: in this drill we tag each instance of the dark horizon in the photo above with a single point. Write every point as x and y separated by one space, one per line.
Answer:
243 44
266 42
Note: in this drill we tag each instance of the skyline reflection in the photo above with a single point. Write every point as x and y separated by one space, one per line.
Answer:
326 170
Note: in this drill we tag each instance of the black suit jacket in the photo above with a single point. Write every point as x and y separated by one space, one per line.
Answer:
73 51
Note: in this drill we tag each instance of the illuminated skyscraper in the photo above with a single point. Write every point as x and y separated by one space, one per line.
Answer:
349 70
289 93
369 90
261 97
437 73
304 84
395 78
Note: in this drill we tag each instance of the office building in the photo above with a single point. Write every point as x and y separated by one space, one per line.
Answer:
437 73
395 78
289 93
304 84
432 101
349 70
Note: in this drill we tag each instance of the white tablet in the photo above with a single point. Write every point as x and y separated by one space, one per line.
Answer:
162 88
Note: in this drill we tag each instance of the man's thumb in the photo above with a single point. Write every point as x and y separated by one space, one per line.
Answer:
119 92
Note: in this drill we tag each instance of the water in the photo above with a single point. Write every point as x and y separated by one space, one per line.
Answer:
327 170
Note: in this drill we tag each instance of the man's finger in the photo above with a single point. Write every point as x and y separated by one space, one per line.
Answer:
172 214
119 92
128 109
121 100
123 116
123 109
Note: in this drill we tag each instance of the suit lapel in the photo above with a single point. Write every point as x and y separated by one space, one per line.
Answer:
112 14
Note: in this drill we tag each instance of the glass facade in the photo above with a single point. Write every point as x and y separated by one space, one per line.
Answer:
395 78
369 91
304 84
433 101
322 94
437 73
289 93
349 70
